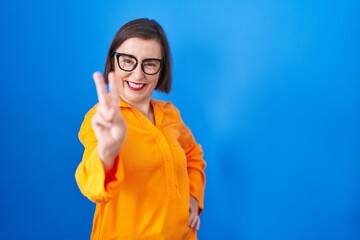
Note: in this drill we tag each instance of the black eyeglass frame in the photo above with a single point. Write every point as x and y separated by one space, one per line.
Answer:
118 55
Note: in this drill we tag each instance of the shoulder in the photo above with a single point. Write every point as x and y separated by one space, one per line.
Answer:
166 106
91 112
168 110
161 103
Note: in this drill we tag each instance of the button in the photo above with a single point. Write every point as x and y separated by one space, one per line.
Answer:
168 158
171 185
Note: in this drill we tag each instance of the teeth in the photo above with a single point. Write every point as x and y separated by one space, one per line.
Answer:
136 85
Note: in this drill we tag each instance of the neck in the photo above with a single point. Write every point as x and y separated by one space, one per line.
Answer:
146 109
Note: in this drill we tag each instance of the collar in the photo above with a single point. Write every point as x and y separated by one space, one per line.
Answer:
122 103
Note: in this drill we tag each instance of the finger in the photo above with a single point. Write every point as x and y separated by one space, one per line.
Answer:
98 122
102 132
100 86
113 89
105 112
192 219
193 223
198 224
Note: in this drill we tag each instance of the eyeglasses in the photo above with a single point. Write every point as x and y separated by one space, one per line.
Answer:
128 63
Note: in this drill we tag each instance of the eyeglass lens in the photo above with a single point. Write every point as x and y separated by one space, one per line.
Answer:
129 63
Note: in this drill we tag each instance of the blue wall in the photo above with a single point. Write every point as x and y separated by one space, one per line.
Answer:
271 89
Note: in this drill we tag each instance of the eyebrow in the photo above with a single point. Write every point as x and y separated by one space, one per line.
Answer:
130 55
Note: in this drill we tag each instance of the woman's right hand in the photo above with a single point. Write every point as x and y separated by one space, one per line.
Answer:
108 124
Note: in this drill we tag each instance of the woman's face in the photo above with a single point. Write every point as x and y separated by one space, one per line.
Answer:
136 87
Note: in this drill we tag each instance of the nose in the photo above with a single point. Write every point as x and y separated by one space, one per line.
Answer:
137 73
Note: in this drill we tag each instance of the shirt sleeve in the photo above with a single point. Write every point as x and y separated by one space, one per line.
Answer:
90 174
195 164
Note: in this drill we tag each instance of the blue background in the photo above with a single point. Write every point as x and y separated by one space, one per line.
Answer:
271 89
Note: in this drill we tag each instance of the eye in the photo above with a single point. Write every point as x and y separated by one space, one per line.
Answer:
151 64
128 60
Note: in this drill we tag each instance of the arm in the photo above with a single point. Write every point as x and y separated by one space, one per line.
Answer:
195 165
195 169
102 134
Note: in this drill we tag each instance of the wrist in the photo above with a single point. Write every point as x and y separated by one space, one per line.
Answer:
107 158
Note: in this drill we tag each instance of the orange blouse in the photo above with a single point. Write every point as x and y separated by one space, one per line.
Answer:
146 195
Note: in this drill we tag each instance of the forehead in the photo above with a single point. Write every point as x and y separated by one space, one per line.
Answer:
141 48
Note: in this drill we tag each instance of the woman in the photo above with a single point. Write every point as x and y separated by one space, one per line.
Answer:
141 164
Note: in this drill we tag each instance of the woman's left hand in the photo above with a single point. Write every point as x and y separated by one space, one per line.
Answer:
194 220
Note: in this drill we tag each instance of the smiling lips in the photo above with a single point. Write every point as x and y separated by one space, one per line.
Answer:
135 86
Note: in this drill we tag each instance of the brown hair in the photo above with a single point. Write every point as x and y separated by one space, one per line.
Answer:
145 29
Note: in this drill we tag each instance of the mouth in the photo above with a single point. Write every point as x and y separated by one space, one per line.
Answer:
135 86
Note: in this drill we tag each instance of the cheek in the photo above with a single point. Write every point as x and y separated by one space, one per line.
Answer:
154 83
120 75
154 79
